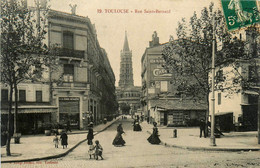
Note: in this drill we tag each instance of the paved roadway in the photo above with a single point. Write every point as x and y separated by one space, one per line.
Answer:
139 153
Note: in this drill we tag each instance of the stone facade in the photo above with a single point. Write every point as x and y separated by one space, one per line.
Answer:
159 101
79 87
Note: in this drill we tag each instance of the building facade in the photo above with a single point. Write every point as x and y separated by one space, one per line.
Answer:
126 91
84 85
159 101
78 87
236 103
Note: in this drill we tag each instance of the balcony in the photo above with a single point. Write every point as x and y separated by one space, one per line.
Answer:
65 52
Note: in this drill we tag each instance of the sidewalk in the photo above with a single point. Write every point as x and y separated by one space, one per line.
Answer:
188 138
39 147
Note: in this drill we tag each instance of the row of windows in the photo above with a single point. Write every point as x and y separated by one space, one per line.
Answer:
21 95
251 99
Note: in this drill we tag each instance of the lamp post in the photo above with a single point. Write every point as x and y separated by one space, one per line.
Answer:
212 136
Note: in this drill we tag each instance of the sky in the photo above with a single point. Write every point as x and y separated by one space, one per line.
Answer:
111 27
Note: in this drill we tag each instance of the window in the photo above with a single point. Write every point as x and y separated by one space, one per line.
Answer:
69 69
22 96
68 41
252 99
38 96
252 73
164 86
68 72
4 95
219 98
219 76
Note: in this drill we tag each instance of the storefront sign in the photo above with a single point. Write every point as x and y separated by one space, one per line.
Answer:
69 98
160 72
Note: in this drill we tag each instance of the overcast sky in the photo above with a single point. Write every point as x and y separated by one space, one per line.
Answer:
111 27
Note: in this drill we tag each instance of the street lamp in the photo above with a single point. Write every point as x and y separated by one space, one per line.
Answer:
212 136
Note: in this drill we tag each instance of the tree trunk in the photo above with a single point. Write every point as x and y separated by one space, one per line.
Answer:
258 136
9 125
15 108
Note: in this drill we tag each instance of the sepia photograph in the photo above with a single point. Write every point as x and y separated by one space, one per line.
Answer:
130 83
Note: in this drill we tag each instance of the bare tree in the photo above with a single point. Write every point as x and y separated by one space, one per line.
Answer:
22 35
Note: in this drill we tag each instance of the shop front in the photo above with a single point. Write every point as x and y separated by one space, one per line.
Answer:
69 111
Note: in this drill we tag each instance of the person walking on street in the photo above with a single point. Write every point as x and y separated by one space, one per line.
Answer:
154 138
202 128
56 141
119 141
64 139
68 126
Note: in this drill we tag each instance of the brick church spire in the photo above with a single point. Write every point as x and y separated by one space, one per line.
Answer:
126 68
126 46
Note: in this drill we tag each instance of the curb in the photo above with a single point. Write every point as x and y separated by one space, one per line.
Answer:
62 154
207 148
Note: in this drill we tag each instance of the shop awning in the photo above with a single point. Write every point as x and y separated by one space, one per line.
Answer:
33 109
223 113
251 92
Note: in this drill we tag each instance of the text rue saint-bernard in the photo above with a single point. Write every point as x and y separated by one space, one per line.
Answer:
137 11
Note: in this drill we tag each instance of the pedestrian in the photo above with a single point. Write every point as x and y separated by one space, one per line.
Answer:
137 126
68 126
154 138
98 150
56 141
202 128
90 135
119 141
64 139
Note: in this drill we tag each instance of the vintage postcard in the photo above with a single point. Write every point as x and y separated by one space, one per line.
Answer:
130 83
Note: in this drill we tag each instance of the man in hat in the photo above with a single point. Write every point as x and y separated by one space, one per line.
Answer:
202 128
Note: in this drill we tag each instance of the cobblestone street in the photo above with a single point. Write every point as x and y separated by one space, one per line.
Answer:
139 153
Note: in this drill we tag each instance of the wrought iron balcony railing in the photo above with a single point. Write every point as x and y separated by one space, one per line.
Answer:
65 52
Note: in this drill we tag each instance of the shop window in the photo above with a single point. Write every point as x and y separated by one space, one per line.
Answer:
38 96
22 96
219 98
68 41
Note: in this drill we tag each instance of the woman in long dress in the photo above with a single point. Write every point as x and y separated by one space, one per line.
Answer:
137 126
154 138
119 141
64 139
90 135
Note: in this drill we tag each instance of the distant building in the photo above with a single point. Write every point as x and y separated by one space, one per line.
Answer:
126 91
159 101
